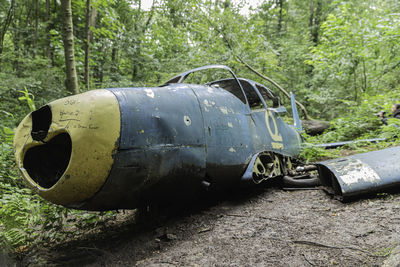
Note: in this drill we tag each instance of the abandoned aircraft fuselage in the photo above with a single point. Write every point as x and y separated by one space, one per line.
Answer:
116 148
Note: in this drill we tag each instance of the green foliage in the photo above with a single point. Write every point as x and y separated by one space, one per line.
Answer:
29 98
357 54
361 122
311 153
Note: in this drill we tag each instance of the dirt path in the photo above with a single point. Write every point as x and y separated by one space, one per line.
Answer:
265 227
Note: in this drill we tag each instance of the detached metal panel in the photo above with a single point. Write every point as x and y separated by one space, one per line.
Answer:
363 173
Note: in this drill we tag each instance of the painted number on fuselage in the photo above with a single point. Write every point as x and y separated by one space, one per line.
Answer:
277 141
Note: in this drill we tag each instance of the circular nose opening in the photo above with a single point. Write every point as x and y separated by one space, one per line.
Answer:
46 163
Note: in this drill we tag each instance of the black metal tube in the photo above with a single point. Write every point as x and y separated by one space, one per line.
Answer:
302 182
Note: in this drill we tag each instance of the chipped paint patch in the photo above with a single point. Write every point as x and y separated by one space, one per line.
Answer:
149 93
232 150
230 124
224 110
142 131
210 90
187 120
206 109
276 145
208 104
356 171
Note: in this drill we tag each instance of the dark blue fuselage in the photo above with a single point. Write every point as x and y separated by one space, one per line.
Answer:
178 136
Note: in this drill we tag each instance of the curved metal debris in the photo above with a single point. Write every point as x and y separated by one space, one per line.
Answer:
363 173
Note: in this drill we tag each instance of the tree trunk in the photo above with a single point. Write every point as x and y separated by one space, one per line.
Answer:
315 21
280 18
35 37
355 84
364 88
91 15
311 21
87 44
140 32
16 38
102 63
5 24
114 63
68 39
48 29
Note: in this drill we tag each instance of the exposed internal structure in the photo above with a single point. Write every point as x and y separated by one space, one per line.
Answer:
41 120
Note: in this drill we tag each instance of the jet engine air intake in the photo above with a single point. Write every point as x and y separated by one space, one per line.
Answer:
46 164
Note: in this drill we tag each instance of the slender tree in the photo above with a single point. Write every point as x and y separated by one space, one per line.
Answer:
87 44
4 26
48 50
91 15
315 20
280 18
36 34
68 39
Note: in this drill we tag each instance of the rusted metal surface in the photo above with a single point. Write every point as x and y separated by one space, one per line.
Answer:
363 173
174 139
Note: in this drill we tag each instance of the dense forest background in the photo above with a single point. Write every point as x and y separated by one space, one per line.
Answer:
326 52
341 59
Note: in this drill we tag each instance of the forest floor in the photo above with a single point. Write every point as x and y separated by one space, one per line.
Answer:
260 227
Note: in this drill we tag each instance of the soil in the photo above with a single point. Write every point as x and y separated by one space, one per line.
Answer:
258 227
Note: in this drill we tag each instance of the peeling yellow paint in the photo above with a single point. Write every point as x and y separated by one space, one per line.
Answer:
230 124
276 145
142 131
92 120
232 150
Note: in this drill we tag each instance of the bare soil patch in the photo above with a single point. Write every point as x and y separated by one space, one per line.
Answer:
260 227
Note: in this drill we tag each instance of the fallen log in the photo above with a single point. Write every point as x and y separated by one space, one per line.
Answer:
315 127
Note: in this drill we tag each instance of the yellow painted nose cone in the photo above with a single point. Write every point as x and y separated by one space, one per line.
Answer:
65 149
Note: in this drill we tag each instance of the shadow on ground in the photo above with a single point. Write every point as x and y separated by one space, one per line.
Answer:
258 227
